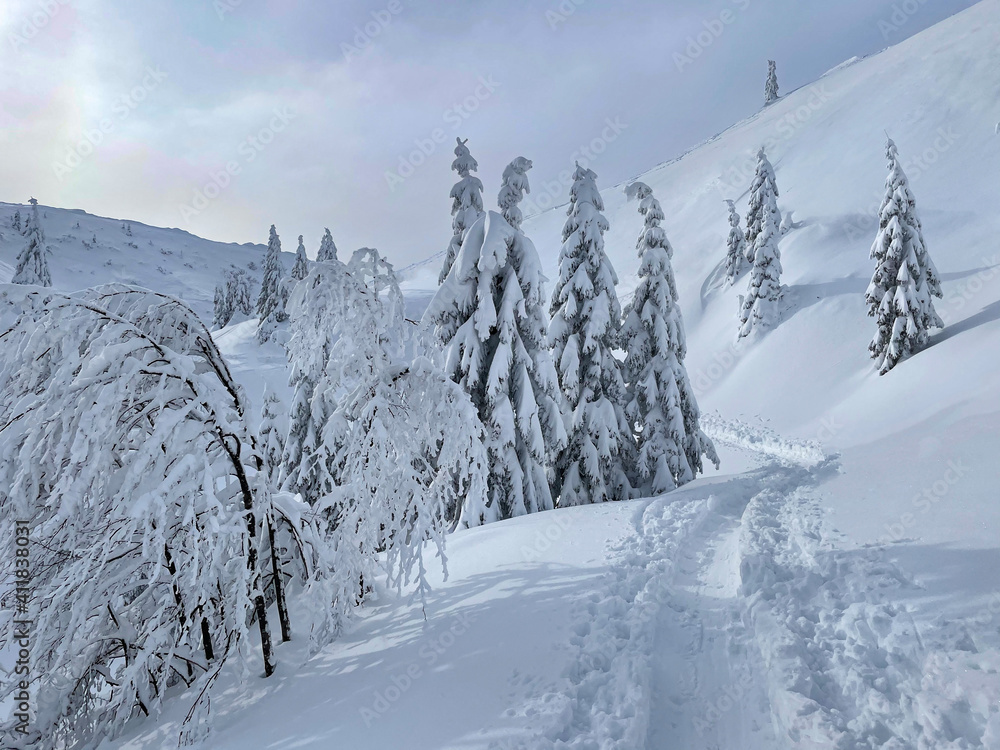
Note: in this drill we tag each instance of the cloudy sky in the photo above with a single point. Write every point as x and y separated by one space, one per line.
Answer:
224 116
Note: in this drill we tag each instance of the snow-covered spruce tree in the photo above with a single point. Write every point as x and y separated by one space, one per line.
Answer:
905 280
271 434
222 310
513 189
759 308
327 248
585 330
401 445
126 449
301 268
466 203
16 223
737 262
771 86
273 294
239 293
498 354
32 262
763 183
663 407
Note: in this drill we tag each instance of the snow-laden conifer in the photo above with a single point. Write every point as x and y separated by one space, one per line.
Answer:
771 86
584 333
763 184
32 262
16 222
222 310
513 189
663 406
272 434
737 262
273 293
327 248
301 268
126 451
905 279
760 305
466 203
499 355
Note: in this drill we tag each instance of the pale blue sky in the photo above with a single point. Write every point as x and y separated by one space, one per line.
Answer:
301 131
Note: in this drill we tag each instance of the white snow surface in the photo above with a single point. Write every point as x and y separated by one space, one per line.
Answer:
836 586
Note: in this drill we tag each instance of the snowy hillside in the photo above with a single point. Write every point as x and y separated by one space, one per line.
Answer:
835 585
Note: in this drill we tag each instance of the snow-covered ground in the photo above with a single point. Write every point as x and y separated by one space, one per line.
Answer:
835 585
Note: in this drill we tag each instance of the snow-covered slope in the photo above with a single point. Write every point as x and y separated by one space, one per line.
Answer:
838 586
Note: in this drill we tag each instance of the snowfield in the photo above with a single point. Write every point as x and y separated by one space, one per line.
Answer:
836 584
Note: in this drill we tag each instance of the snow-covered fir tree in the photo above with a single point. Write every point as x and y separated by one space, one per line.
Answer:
760 305
771 86
498 353
513 189
466 203
32 262
764 182
137 434
222 309
273 293
585 330
663 406
900 296
737 261
327 248
233 302
301 268
271 434
16 223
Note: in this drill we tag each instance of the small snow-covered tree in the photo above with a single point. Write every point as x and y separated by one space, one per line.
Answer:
466 203
513 189
759 308
16 223
498 354
222 310
737 262
663 406
301 268
273 294
763 184
327 248
239 291
771 86
905 279
32 262
271 434
584 333
124 446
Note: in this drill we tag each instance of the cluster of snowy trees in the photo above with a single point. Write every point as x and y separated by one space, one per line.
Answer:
905 281
581 403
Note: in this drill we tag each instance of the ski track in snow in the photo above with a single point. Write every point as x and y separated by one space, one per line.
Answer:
731 622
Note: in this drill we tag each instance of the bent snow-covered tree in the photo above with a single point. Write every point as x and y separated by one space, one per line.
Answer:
760 305
125 446
771 86
737 261
400 445
466 203
273 294
327 248
32 262
498 354
905 279
585 328
663 407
